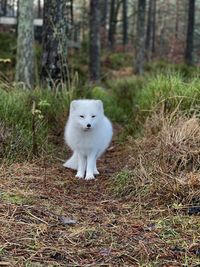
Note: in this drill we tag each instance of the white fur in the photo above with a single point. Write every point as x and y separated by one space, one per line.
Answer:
87 144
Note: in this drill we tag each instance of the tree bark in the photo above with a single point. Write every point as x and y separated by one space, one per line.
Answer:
54 54
25 52
190 33
94 41
140 46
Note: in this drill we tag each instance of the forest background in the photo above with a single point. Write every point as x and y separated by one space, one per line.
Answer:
141 58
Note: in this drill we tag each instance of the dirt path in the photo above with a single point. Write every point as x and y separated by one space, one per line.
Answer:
38 201
49 218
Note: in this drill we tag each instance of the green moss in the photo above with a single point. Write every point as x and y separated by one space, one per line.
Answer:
14 198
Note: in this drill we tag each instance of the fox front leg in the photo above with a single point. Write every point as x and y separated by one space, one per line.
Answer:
96 172
81 166
91 163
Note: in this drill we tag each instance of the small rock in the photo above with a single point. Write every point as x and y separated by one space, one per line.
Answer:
67 221
194 210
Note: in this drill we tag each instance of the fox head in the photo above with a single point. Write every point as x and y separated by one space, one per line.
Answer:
86 114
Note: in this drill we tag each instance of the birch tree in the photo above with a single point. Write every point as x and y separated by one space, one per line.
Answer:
24 71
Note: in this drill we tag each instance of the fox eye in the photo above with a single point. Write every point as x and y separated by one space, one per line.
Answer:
93 116
81 116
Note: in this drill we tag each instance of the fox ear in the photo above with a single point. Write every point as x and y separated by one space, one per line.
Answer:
73 105
100 104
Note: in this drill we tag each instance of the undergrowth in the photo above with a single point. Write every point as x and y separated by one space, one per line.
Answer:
28 118
128 101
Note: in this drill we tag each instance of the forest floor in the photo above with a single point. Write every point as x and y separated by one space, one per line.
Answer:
50 218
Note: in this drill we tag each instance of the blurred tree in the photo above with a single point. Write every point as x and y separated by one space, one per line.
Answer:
84 21
54 54
148 41
25 53
112 24
104 17
94 40
114 10
140 41
125 23
190 32
72 11
3 8
177 18
39 9
154 27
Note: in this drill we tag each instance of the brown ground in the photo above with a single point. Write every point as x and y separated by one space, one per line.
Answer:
38 200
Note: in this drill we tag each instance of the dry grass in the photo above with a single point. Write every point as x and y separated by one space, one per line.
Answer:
164 164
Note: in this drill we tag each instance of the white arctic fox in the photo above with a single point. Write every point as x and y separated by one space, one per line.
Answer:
88 133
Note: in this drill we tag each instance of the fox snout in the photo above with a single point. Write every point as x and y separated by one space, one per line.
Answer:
88 126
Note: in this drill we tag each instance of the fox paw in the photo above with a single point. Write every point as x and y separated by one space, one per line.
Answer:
96 172
69 165
89 177
79 175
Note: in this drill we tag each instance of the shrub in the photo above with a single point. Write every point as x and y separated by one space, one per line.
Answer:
116 61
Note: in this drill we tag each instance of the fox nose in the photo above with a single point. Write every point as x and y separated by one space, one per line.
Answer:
88 125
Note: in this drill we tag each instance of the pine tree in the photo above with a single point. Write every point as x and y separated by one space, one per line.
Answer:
94 40
54 54
140 46
125 23
190 33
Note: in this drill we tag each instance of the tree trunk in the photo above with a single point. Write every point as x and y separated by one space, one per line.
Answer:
114 10
39 9
111 33
125 23
104 16
25 52
190 33
72 11
4 7
54 54
94 40
177 19
140 47
154 28
148 41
